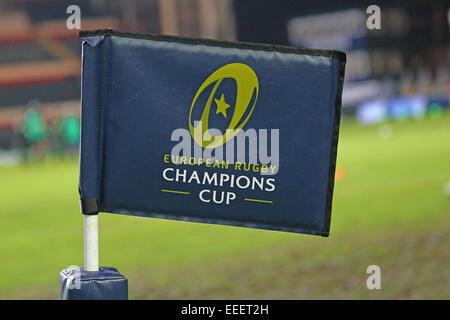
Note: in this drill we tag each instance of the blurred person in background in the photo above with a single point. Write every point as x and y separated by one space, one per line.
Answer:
69 130
35 134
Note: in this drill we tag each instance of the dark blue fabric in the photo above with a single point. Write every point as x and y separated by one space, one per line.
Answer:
105 284
137 90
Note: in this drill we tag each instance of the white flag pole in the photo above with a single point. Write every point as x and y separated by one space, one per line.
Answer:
97 284
91 242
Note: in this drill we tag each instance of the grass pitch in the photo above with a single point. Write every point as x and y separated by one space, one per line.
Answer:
389 210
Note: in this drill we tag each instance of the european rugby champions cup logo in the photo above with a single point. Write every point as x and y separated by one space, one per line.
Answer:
246 161
247 86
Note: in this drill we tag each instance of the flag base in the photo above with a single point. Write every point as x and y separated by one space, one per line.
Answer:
105 284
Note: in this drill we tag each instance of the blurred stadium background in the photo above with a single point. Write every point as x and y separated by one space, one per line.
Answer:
389 206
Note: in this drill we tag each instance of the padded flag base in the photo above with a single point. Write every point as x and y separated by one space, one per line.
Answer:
105 284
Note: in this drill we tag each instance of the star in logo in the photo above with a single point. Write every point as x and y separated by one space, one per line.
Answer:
222 106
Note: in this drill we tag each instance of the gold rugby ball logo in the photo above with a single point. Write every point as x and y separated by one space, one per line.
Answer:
247 86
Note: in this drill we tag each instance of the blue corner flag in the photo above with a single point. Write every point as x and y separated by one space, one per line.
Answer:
209 131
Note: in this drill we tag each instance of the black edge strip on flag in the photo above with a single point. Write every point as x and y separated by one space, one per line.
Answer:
215 43
334 144
264 47
89 206
102 113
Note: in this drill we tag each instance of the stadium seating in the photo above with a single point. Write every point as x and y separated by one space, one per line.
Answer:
66 89
23 52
